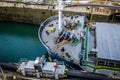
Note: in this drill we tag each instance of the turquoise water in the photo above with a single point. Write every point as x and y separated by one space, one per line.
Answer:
19 40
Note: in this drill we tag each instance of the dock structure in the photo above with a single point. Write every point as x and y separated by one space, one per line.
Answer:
41 68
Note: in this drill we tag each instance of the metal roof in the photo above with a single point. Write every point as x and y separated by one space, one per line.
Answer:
22 66
108 41
49 66
30 65
60 69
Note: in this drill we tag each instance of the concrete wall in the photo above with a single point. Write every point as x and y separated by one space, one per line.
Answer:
37 16
20 12
27 15
86 9
95 10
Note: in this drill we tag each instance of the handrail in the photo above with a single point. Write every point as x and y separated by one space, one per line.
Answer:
86 44
41 28
101 67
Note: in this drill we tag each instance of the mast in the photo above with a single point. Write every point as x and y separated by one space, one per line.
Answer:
60 8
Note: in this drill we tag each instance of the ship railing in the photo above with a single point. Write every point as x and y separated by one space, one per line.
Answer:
42 26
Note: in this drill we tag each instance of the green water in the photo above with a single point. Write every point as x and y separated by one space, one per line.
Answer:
19 40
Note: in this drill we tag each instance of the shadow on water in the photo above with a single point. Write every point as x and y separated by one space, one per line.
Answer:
19 40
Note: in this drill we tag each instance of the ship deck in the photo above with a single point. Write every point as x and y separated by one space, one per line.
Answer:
49 38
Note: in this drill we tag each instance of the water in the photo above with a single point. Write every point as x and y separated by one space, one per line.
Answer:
19 40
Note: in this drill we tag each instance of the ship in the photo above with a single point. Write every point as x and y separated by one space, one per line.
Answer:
82 45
